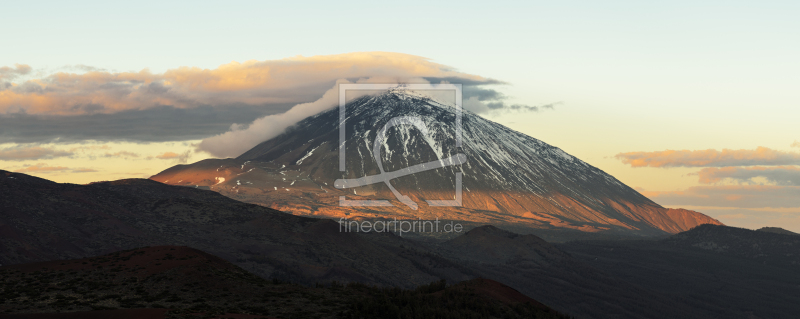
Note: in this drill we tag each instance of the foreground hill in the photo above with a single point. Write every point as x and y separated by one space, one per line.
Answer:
508 178
683 276
777 230
724 272
164 277
42 220
550 274
174 281
766 247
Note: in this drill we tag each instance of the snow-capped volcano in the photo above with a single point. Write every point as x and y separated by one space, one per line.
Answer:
507 176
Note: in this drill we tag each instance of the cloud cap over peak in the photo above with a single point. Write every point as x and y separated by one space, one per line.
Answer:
190 103
291 80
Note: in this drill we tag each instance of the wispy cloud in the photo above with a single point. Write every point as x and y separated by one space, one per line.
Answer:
478 105
42 168
796 144
238 139
181 158
780 175
743 196
10 73
89 148
123 154
521 107
84 170
709 158
22 153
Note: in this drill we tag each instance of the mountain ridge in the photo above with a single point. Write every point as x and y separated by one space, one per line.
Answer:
508 178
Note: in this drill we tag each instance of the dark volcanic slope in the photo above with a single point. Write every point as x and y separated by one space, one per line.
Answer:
723 272
171 277
551 275
508 178
195 284
709 272
43 220
766 247
777 230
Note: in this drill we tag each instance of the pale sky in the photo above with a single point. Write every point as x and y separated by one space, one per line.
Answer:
630 76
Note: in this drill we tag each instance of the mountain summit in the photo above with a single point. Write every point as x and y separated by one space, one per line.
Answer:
506 177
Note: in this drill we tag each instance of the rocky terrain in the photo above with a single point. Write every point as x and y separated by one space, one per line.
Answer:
724 272
43 220
181 282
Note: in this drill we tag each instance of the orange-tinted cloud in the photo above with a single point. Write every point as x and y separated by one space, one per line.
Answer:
22 153
780 175
168 155
45 168
754 218
252 82
42 168
796 144
742 196
182 157
710 158
646 193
